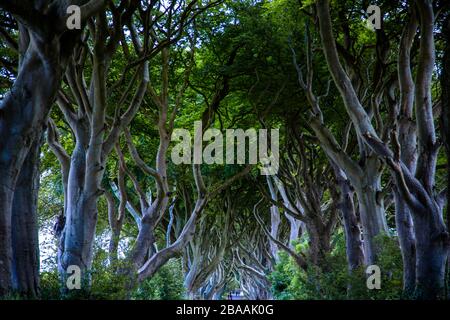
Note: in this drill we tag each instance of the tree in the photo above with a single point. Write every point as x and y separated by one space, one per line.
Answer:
44 46
96 132
417 190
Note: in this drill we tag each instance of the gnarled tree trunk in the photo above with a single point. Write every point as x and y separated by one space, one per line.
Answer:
25 243
23 115
353 243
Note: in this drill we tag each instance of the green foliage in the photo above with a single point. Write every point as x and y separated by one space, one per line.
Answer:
281 278
167 284
50 285
108 284
333 282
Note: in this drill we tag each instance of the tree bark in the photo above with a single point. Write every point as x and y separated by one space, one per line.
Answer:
408 152
25 243
373 219
353 243
275 220
23 114
430 231
319 244
81 212
431 254
445 121
406 238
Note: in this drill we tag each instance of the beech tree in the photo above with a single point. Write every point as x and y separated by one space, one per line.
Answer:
96 132
44 46
90 104
416 188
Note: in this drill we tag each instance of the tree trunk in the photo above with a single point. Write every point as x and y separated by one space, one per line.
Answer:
79 234
294 229
319 244
353 243
373 219
405 233
366 182
431 255
431 233
6 198
23 113
407 138
81 217
218 293
25 243
113 247
445 121
274 226
275 220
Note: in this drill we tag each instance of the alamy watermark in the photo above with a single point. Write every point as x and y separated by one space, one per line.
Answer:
373 21
374 277
73 21
73 281
230 149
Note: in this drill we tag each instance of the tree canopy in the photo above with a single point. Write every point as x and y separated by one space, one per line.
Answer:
355 118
